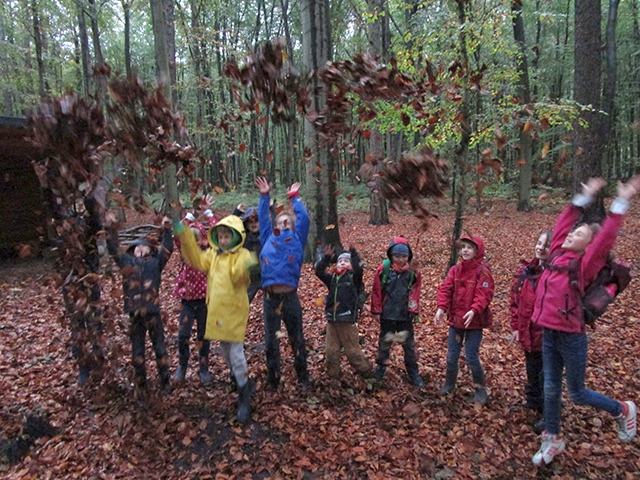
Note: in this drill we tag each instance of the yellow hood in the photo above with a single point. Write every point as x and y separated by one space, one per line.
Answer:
234 223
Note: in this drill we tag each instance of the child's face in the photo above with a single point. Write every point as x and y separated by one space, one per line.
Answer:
468 251
141 251
224 238
283 222
542 248
344 264
400 260
578 240
253 226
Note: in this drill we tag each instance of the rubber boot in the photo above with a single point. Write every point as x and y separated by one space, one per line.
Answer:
416 379
244 401
181 371
205 376
450 381
480 395
165 379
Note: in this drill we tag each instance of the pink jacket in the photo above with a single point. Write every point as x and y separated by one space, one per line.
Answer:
468 286
523 299
557 303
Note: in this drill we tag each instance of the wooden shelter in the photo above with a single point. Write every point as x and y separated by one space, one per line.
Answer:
21 199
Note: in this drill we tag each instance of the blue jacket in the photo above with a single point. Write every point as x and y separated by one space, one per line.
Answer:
282 255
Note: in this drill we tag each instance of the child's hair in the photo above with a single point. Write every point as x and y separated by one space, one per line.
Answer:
291 217
548 235
593 227
224 228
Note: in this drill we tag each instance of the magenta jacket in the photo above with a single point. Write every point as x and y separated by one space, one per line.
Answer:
557 303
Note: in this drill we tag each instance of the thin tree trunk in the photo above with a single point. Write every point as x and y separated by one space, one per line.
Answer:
43 87
84 47
101 81
523 89
126 7
4 59
169 18
609 93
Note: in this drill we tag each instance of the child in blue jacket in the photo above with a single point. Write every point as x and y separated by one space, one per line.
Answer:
281 260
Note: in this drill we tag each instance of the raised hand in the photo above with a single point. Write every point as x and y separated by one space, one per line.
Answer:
206 202
628 190
593 186
293 190
329 250
263 186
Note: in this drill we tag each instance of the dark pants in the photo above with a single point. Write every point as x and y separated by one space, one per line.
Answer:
534 391
140 324
568 351
285 307
193 309
471 340
409 345
253 289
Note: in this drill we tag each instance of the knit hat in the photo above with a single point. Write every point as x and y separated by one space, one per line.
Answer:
346 255
400 249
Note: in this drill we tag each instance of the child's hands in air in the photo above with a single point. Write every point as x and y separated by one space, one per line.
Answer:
628 190
263 186
593 186
329 250
293 190
468 318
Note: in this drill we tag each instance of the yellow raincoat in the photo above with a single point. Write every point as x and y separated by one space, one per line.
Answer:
227 280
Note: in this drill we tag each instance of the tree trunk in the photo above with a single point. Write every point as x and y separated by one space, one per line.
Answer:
126 7
462 149
43 87
170 20
378 213
321 187
172 201
84 48
4 59
636 44
524 96
101 81
587 140
609 93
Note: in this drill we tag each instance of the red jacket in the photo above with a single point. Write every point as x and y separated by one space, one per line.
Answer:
191 283
468 286
557 303
523 298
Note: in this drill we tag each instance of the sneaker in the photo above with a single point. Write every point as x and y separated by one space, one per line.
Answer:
552 445
627 425
480 396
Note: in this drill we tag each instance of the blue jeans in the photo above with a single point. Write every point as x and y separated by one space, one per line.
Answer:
471 340
562 350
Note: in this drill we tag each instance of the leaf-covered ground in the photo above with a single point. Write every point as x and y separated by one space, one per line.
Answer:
336 429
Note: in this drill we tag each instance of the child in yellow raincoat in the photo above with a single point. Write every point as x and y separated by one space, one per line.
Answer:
228 266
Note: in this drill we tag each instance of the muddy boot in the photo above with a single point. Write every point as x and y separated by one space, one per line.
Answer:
450 381
539 426
205 376
480 395
244 401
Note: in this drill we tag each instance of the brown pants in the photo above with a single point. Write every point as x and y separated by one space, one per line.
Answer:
345 335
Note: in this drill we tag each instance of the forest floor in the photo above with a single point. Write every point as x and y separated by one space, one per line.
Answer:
336 429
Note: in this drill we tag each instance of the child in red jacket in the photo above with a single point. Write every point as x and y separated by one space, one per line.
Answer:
465 295
558 310
395 302
523 296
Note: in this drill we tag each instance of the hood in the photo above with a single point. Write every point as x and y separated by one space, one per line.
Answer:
250 212
394 242
234 223
477 241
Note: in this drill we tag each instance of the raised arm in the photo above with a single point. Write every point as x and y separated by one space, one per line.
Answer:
264 218
302 217
166 248
190 250
323 264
